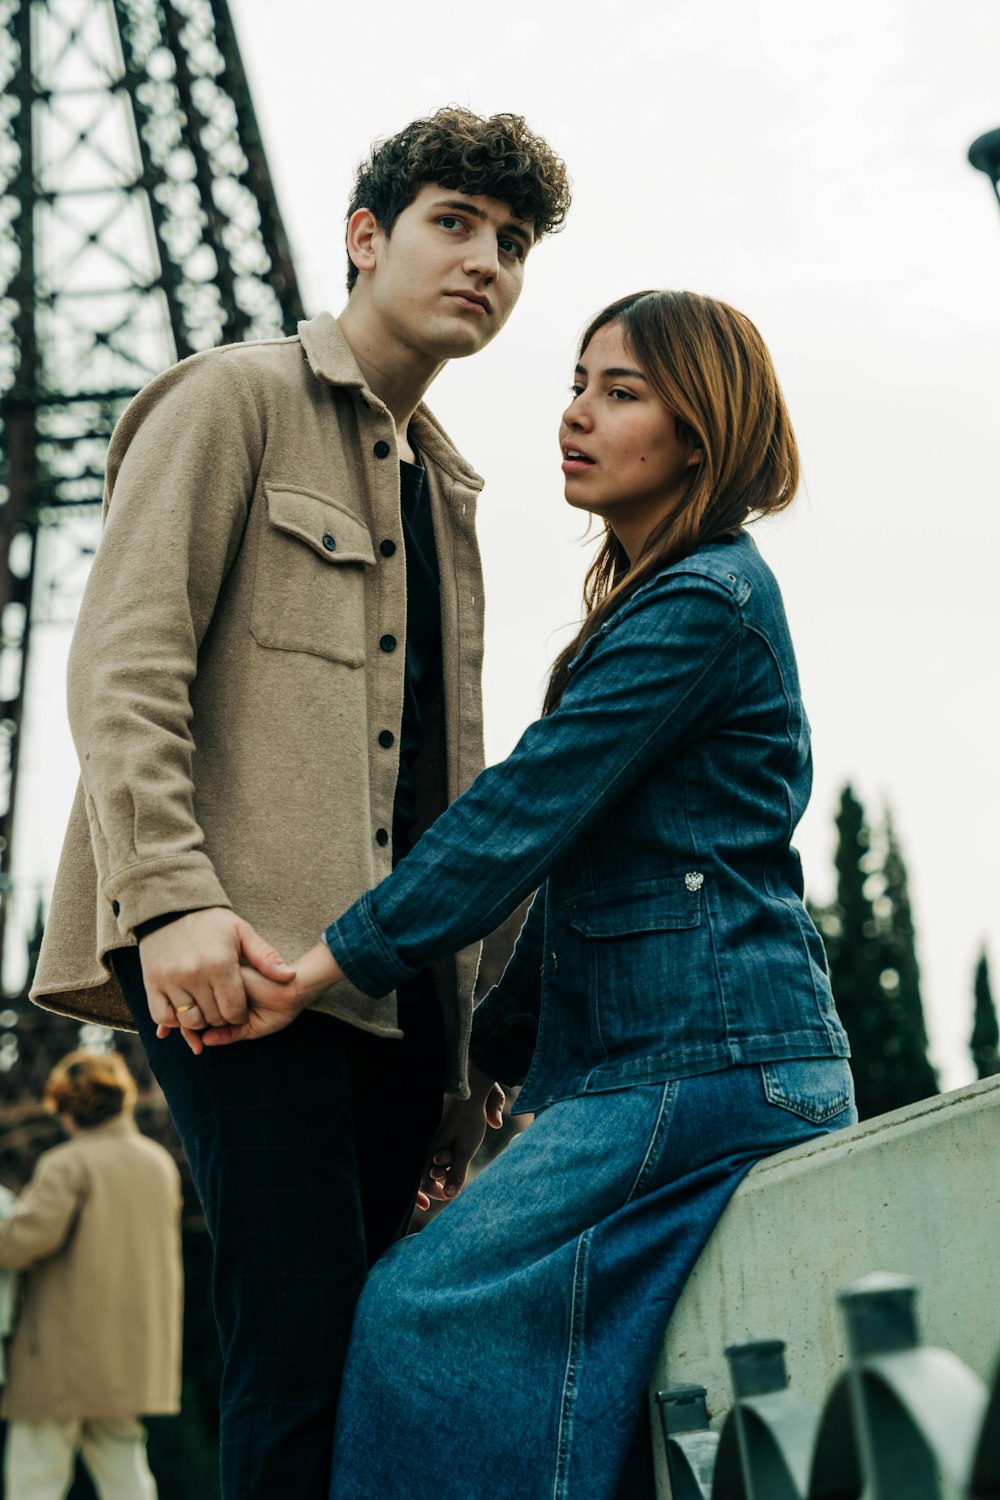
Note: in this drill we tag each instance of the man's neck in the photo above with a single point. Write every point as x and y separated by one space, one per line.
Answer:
397 374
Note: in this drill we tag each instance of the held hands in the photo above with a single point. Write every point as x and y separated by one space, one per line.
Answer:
273 1006
192 971
459 1137
223 983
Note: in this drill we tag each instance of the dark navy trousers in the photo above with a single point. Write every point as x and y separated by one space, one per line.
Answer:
306 1149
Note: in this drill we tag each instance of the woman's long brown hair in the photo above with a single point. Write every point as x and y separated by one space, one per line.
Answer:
710 367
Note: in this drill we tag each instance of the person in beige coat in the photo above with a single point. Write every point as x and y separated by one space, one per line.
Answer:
97 1342
274 688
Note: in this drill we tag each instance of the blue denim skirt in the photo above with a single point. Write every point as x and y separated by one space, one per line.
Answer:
506 1348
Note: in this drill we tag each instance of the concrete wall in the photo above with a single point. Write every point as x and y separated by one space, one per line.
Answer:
916 1191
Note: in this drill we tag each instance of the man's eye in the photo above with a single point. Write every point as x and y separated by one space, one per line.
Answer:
449 221
512 247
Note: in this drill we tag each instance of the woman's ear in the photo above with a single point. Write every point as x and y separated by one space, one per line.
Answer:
687 434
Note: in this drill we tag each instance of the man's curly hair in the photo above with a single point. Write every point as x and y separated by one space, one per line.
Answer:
495 156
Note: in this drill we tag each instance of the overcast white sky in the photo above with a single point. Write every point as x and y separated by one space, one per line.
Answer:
808 165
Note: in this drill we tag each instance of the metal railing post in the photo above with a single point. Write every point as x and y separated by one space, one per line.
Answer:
691 1447
916 1411
767 1440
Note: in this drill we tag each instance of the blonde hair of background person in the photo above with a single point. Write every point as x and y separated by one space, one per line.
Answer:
97 1344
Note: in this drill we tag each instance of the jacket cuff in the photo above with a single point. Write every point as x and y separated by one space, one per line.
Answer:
503 1038
138 893
356 942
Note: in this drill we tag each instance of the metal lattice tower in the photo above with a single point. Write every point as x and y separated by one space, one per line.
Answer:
138 224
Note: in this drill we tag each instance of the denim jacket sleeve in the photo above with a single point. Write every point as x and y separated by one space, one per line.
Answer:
505 1022
661 671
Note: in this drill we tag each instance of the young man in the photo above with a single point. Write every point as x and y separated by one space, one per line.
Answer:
275 675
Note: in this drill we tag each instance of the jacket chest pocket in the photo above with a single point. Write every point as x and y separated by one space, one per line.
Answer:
309 584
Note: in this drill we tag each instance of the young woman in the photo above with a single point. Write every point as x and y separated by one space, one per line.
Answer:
667 1009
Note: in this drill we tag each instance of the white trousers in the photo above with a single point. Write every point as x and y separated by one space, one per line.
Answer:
41 1456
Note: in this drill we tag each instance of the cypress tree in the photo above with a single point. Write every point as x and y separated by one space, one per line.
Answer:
871 948
985 1030
901 943
850 931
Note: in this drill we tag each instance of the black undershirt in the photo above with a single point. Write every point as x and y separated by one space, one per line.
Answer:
423 642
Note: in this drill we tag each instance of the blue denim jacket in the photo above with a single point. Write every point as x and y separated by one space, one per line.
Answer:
653 811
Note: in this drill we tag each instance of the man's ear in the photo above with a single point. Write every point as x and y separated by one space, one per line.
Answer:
362 230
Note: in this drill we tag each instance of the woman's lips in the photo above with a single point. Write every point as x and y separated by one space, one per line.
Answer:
575 461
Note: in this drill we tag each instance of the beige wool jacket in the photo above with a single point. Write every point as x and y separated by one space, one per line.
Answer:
239 649
97 1234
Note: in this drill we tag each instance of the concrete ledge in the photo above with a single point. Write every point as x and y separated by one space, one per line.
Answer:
916 1191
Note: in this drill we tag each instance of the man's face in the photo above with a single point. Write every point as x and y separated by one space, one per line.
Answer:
447 278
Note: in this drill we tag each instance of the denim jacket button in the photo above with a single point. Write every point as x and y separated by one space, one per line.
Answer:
553 960
694 880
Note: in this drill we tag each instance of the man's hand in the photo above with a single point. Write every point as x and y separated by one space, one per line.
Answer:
192 969
460 1135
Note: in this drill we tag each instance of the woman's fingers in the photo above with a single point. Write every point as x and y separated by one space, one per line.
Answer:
495 1101
459 1160
436 1174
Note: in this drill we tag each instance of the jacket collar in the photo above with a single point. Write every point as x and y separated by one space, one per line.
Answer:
331 359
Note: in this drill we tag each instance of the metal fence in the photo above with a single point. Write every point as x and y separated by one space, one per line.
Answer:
903 1422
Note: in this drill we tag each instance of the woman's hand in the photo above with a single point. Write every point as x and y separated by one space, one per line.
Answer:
460 1135
272 1006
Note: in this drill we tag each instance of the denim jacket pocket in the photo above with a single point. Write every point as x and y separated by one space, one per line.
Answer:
621 911
817 1088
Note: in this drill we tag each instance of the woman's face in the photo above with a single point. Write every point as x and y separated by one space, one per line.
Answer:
622 457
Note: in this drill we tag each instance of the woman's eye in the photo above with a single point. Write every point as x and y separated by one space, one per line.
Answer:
575 390
617 394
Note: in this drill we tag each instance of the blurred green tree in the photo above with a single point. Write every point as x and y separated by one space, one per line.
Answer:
900 939
985 1029
870 940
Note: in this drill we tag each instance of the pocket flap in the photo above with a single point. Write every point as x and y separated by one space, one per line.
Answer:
332 532
667 906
